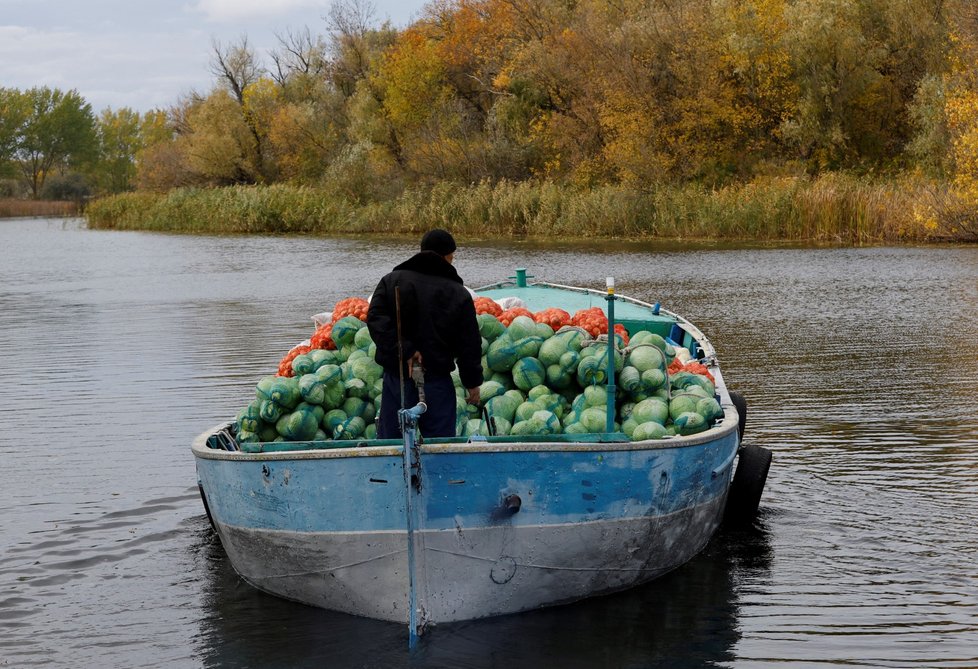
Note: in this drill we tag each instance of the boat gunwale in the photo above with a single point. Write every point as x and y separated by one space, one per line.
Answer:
720 430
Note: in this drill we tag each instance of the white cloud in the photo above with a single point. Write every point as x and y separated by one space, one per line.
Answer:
236 10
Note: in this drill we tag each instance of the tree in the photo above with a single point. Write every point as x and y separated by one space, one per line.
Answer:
59 132
14 110
239 70
120 141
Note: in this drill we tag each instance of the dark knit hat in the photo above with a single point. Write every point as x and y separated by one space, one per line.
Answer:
438 240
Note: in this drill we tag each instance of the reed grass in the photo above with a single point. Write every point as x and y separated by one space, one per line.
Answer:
834 208
13 208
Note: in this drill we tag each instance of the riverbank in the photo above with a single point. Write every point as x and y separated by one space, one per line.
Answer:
15 208
834 208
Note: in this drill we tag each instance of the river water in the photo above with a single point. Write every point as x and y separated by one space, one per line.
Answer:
860 367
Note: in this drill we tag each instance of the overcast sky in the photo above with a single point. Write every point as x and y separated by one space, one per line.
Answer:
146 54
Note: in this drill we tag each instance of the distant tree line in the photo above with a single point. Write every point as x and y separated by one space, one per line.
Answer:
581 93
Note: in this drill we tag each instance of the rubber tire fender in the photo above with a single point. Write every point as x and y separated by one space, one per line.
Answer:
744 496
207 508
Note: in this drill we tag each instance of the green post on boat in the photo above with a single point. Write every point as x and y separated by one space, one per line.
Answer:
521 277
610 424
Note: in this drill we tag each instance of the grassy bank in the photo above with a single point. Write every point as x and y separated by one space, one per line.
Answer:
11 208
834 208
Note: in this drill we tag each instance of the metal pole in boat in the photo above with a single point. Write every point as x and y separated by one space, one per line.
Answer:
610 424
412 486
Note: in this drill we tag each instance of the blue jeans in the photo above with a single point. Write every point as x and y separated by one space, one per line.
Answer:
437 421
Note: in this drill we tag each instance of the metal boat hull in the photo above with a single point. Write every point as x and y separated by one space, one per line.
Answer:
327 528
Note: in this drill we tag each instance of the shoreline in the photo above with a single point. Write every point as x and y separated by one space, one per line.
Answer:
834 209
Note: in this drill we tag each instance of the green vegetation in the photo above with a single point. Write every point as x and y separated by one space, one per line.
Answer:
816 119
832 208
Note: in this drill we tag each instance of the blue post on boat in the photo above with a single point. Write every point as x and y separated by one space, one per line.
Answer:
412 487
610 423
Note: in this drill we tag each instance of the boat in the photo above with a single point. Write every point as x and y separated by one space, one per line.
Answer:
441 530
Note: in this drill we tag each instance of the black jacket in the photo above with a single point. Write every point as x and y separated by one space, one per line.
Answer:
437 318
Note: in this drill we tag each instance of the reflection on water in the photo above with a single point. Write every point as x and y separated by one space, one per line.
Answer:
859 364
687 618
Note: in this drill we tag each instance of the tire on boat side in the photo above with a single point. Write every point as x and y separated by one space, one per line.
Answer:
745 492
740 402
207 509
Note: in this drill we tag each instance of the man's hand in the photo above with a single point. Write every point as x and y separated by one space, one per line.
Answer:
412 361
473 396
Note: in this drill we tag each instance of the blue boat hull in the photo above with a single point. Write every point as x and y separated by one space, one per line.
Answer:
328 527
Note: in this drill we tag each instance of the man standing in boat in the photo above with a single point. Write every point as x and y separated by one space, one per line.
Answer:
438 328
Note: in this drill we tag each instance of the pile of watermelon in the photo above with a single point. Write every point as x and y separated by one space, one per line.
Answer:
545 374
